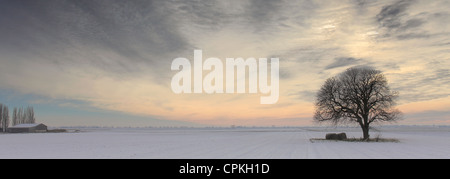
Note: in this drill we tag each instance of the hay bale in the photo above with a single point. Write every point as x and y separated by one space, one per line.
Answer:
334 136
331 136
341 136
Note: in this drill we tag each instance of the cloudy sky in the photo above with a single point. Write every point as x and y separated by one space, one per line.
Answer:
107 62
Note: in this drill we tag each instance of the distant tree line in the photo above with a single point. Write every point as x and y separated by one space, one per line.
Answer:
19 116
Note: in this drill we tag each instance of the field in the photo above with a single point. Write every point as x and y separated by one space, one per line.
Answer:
241 143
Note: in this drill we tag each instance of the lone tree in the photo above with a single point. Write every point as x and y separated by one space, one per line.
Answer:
358 95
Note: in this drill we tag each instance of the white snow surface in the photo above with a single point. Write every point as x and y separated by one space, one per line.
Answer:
238 143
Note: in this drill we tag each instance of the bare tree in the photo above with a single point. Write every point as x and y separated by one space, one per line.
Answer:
358 95
23 116
1 115
5 118
15 118
30 115
20 116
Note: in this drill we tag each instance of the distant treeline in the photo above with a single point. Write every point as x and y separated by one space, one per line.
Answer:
20 116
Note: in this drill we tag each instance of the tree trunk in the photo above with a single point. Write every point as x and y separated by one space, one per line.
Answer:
365 130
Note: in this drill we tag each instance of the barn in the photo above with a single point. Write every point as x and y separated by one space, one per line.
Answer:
24 128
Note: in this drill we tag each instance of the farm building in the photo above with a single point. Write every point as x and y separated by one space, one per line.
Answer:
23 128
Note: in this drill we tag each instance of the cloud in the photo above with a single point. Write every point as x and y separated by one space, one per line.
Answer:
342 62
390 15
408 20
412 23
413 36
116 55
265 15
307 95
116 36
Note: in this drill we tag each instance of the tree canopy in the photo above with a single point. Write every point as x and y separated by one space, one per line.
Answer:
358 95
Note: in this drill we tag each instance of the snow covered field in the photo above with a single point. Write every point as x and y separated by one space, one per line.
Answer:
278 143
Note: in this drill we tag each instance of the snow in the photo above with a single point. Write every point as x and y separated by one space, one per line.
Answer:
241 143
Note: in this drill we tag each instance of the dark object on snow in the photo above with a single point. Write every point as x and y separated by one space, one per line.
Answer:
334 136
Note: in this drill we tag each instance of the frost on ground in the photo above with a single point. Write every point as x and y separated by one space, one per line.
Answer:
242 143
